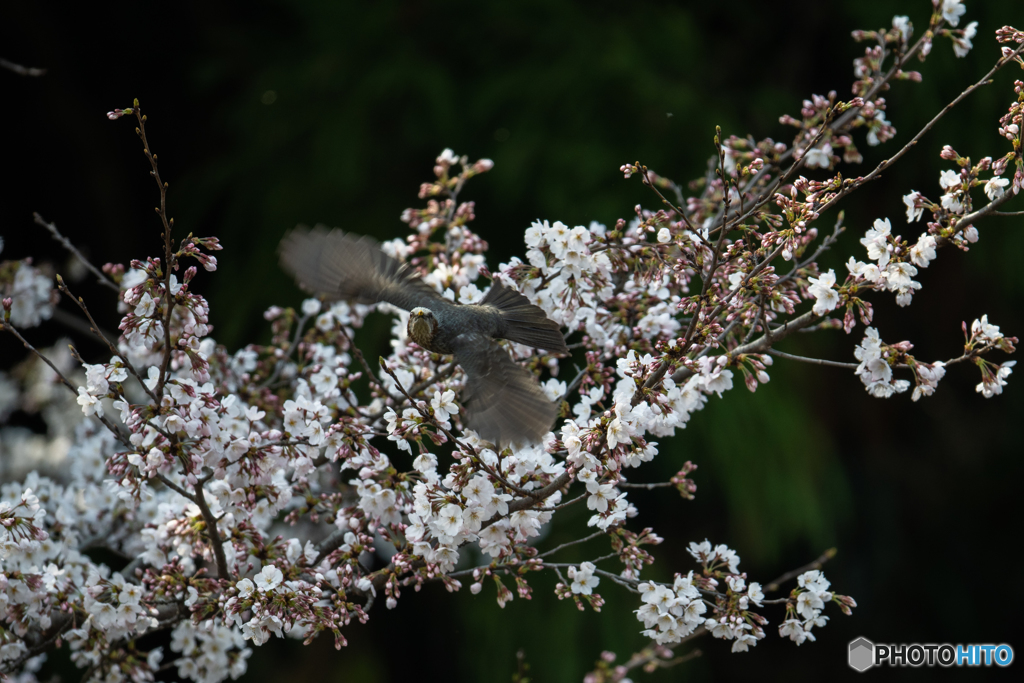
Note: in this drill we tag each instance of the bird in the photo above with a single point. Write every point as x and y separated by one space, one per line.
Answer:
503 401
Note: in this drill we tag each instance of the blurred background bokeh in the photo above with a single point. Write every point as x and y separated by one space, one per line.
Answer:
268 114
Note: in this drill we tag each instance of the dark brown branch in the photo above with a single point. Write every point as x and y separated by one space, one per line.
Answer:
645 487
814 361
329 545
531 498
174 487
211 529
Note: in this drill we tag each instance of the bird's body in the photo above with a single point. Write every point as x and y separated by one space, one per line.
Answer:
505 402
438 335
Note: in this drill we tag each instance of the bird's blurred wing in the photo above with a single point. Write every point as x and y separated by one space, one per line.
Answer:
345 266
504 403
524 322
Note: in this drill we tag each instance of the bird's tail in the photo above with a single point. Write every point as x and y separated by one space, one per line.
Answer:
524 322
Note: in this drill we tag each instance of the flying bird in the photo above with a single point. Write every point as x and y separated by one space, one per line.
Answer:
503 401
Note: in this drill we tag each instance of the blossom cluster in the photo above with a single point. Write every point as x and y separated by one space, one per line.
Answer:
27 292
671 613
280 489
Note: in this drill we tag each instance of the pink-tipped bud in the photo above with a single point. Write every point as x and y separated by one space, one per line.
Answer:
118 113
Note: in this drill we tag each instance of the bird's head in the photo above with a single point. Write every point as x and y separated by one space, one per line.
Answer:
422 326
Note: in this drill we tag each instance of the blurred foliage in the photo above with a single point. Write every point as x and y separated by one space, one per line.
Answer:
268 114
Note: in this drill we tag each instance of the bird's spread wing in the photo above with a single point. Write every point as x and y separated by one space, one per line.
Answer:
504 403
343 266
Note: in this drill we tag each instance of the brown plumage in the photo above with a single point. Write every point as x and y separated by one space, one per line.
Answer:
504 403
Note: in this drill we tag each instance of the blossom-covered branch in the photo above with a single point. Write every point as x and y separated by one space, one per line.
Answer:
275 490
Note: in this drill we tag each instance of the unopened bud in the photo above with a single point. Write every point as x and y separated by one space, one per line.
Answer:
118 113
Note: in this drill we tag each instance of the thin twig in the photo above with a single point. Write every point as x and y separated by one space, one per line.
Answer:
851 185
564 505
427 416
170 263
418 388
762 315
822 248
68 320
573 384
838 126
6 326
644 487
596 534
816 564
66 243
762 344
651 655
63 622
95 329
370 377
291 347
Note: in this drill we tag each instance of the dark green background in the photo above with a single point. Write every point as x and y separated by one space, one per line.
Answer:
920 499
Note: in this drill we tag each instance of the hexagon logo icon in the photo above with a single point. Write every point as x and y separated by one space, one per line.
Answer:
861 654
